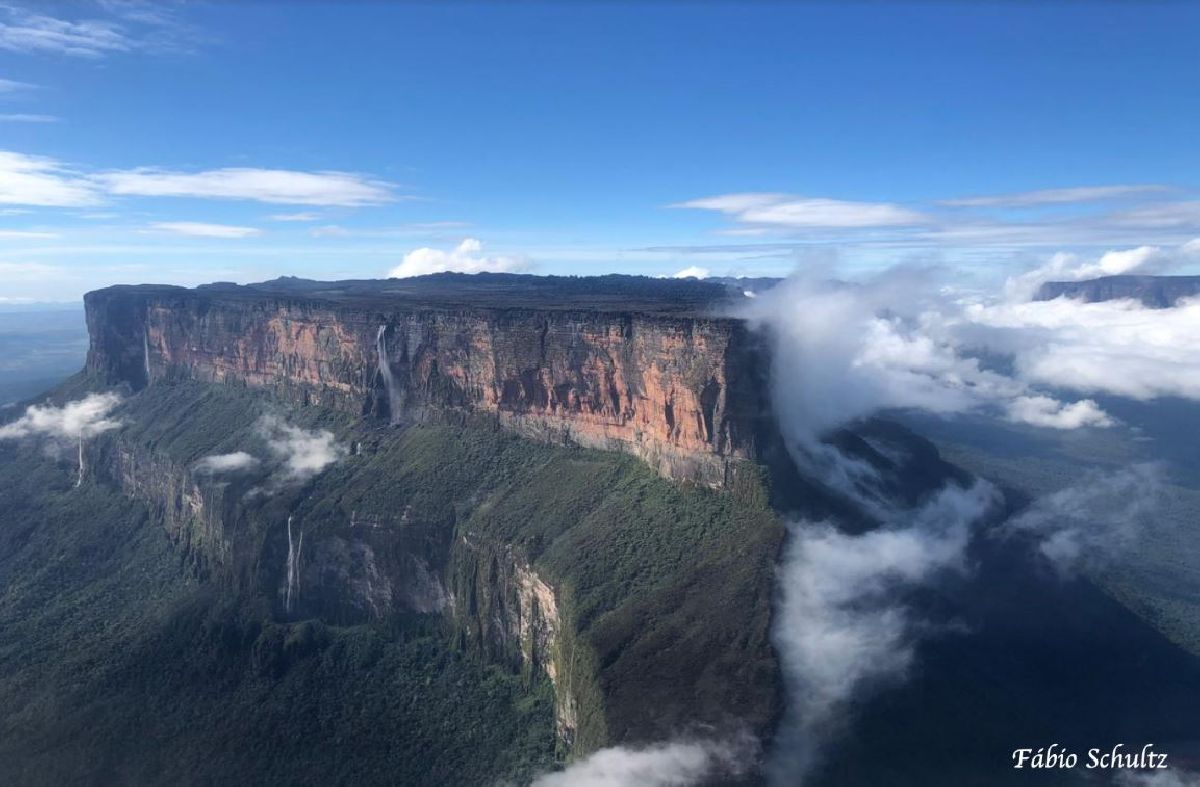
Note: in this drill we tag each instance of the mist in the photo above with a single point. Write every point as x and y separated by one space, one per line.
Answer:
681 762
906 340
1090 523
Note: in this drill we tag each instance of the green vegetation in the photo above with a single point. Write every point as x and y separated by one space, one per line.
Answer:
119 663
116 667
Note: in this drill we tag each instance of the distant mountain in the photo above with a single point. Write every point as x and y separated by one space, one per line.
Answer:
1157 292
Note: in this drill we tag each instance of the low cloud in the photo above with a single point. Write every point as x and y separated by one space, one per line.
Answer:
843 352
660 765
303 453
1168 778
1050 413
692 272
1091 523
201 230
73 421
902 340
843 628
1114 347
466 257
235 462
1072 267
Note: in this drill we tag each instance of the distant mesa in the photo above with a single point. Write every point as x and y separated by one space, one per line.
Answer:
1156 292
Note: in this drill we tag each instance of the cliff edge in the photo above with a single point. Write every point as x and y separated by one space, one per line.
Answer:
648 367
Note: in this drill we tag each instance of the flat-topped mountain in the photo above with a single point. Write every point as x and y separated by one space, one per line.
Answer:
1157 292
652 367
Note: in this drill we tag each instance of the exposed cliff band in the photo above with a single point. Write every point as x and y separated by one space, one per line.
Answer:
682 392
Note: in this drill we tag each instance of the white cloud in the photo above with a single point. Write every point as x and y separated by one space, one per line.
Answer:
21 118
36 180
1094 521
13 86
28 271
691 272
843 352
27 235
1114 347
1167 215
304 453
1174 777
785 211
24 31
281 186
1050 413
842 627
202 230
1056 196
329 231
1071 267
295 217
127 26
73 421
226 463
466 257
661 765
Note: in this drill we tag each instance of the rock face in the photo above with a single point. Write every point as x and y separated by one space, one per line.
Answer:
1157 292
681 391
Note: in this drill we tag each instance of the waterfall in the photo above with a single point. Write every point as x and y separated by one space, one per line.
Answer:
293 566
146 353
385 372
79 480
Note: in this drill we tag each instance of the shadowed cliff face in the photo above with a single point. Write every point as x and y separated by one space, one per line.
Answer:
1157 292
682 392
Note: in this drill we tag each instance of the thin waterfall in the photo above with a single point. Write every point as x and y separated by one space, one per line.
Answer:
293 566
146 353
385 371
79 479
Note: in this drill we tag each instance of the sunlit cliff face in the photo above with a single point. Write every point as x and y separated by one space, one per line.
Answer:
681 393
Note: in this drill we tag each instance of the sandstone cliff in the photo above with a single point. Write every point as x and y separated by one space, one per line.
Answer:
682 391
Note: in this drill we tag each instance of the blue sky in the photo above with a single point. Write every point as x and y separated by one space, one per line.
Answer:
192 142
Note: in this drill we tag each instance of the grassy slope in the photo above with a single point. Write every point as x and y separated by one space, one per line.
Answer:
115 665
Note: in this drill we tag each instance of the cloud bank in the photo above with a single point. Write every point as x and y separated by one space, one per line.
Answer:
466 257
843 627
843 352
